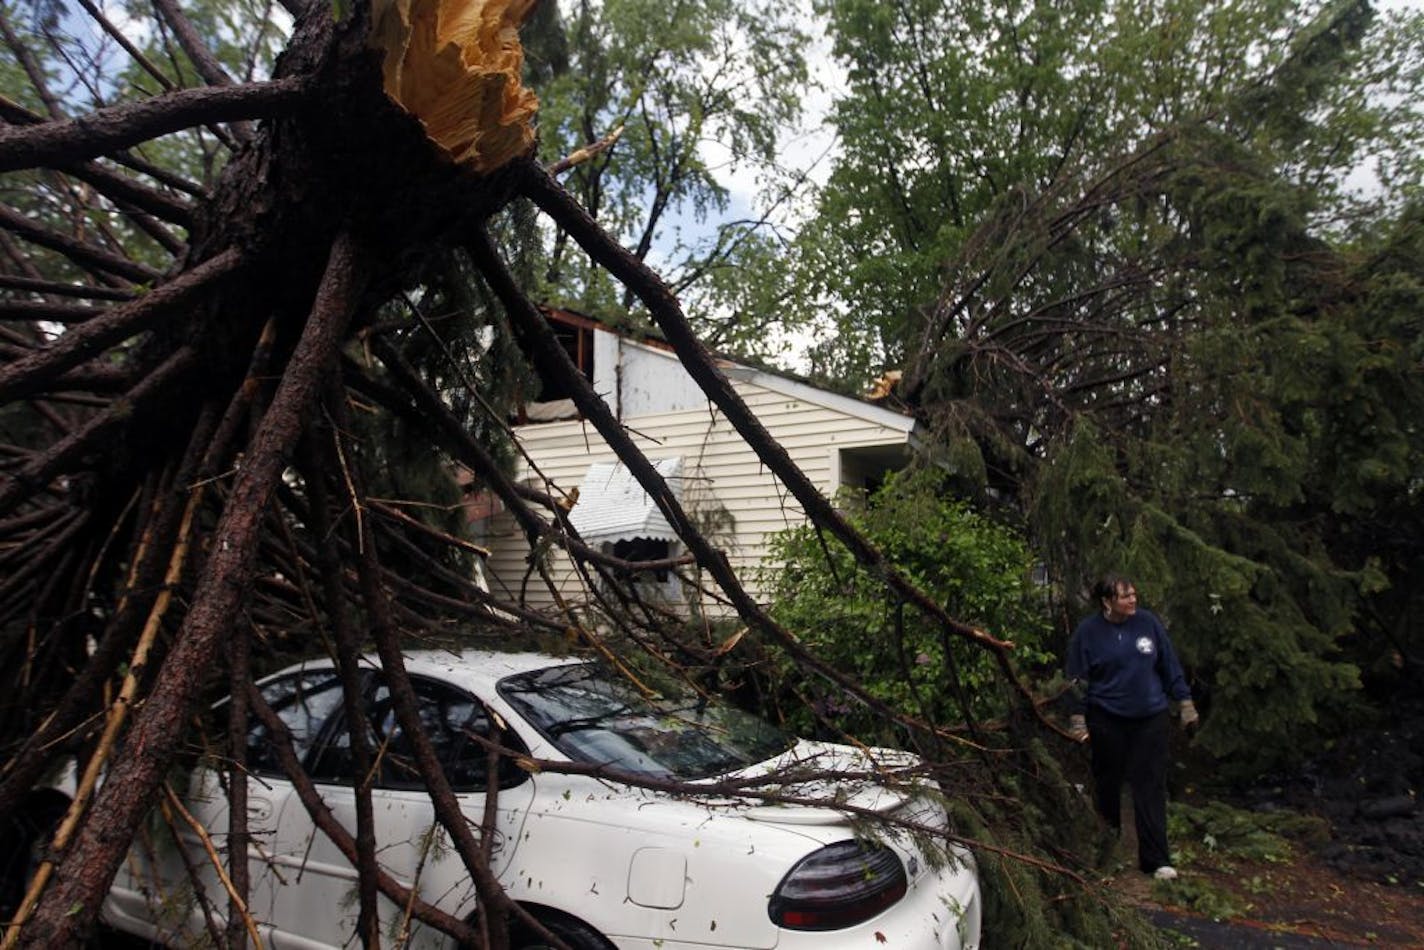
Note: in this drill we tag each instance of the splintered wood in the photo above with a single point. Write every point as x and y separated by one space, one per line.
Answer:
455 65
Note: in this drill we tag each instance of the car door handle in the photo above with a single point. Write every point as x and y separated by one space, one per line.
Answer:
258 809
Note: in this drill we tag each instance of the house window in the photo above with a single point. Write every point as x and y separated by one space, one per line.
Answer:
865 468
644 549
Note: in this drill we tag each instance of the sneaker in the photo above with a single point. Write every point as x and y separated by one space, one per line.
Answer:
1165 873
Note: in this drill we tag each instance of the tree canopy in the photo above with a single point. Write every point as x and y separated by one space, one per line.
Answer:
1150 272
656 84
952 110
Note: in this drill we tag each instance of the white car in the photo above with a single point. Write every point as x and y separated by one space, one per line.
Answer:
601 864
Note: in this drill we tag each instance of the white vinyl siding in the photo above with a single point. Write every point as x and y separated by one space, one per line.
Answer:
721 474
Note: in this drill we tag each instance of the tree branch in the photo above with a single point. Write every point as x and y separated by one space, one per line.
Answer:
52 288
208 67
36 474
85 255
31 374
132 784
122 126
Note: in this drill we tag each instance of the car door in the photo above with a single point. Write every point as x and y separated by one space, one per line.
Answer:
309 703
410 845
156 887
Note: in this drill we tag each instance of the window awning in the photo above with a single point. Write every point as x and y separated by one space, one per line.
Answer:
612 506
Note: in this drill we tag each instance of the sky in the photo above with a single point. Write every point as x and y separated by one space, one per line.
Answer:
810 149
813 148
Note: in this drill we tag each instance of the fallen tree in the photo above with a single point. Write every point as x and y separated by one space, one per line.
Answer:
183 484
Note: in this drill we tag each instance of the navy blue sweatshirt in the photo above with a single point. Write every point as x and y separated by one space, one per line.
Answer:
1128 668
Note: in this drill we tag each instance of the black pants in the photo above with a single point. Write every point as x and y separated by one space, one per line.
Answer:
1134 750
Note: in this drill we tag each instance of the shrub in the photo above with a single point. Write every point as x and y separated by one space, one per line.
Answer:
979 571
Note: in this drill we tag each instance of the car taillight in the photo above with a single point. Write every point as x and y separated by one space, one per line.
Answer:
838 886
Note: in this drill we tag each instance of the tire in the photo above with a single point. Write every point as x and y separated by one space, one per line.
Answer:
574 932
24 836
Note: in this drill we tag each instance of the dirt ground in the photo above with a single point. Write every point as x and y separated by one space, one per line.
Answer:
1307 891
1353 875
1304 895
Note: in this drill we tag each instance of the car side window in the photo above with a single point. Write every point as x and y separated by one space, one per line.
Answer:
304 702
454 721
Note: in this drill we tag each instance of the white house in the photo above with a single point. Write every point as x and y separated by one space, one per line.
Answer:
837 441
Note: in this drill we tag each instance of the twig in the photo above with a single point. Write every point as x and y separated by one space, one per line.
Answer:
95 260
394 512
216 861
581 155
36 473
29 375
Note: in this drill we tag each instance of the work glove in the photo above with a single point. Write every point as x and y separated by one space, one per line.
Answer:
1078 728
1187 713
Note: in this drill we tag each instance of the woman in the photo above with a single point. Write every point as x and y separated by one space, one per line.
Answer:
1123 665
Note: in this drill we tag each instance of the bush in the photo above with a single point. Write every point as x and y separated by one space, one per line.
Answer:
978 571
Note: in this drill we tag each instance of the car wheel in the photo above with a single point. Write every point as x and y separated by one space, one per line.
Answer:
24 836
572 931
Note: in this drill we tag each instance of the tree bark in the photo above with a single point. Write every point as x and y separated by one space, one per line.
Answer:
123 126
132 785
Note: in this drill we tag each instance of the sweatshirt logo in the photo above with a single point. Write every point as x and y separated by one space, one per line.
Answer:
1144 645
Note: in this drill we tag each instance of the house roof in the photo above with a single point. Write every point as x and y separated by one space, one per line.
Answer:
774 380
612 505
859 408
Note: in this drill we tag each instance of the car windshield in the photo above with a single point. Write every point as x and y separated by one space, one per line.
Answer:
595 718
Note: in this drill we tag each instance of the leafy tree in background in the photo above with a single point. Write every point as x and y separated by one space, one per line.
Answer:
1143 303
671 79
952 109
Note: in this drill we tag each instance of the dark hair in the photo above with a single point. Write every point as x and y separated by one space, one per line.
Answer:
1109 584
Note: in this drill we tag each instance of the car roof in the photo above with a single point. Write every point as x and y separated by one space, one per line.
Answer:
476 669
